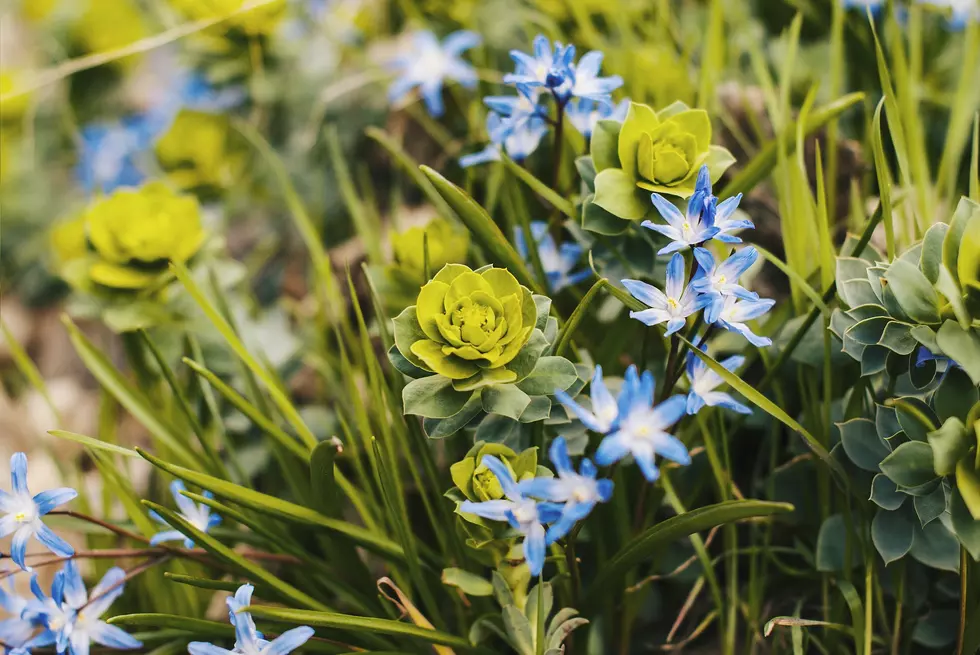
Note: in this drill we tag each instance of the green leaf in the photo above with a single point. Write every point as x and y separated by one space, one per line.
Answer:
196 627
363 624
966 527
616 192
433 397
651 540
898 338
93 443
539 187
930 506
949 443
954 236
586 170
505 400
482 227
934 546
518 630
442 428
937 629
862 444
757 398
323 481
604 145
915 416
893 532
470 584
135 402
759 167
278 508
228 555
831 544
203 583
885 493
968 484
962 346
917 296
549 374
910 465
931 260
598 220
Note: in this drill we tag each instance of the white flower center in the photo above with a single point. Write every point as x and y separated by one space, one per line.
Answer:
25 511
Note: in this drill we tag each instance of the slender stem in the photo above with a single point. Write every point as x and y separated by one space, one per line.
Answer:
539 620
899 601
964 588
122 532
555 225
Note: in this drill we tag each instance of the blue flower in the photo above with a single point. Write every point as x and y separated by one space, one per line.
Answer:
602 418
587 83
874 5
109 156
200 516
691 230
517 143
23 512
428 64
703 382
556 262
16 631
548 67
672 307
720 281
579 491
524 514
724 221
736 311
72 617
641 428
584 114
248 640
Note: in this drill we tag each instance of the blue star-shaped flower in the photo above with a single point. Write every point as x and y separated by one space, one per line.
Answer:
736 311
22 514
248 640
671 306
549 67
428 64
524 514
704 382
557 262
720 281
579 492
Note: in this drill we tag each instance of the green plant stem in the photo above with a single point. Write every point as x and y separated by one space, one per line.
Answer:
539 619
899 601
964 593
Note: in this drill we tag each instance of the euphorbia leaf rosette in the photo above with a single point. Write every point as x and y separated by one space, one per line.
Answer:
473 324
477 342
653 151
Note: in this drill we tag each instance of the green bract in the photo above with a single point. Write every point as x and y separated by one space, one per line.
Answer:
473 324
651 151
446 244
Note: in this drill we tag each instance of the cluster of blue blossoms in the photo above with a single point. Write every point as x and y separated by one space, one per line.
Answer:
70 617
549 84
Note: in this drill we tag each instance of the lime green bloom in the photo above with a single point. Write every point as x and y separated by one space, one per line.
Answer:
653 151
471 323
447 245
478 483
12 109
93 33
133 234
260 21
197 151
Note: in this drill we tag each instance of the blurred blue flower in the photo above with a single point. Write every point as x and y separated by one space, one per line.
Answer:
517 143
579 492
604 412
703 382
198 515
524 514
110 151
72 616
588 84
584 113
248 640
671 306
736 311
16 631
641 428
549 67
22 514
556 262
429 63
720 281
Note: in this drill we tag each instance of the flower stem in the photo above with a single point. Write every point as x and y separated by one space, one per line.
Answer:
556 165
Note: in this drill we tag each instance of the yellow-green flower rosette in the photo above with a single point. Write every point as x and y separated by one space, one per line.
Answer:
197 152
478 483
471 325
109 24
130 238
652 151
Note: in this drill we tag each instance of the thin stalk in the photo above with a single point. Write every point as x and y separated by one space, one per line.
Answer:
964 589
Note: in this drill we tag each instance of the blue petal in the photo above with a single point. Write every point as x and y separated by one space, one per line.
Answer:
667 210
112 637
534 549
500 470
605 490
18 474
288 641
673 448
543 488
612 449
48 500
165 536
202 648
670 411
18 547
53 542
558 453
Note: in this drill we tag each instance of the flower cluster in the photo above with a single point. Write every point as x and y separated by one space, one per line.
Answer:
714 285
248 640
426 64
532 503
549 83
558 262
